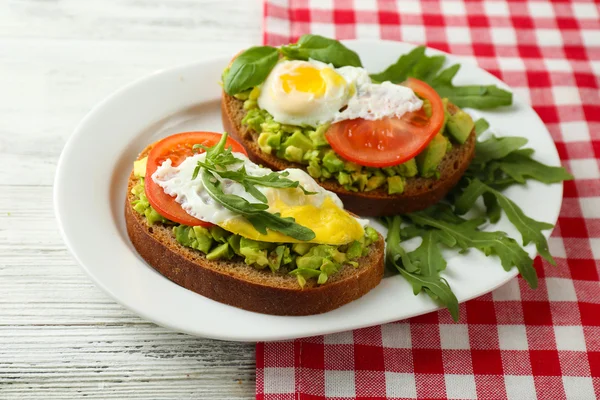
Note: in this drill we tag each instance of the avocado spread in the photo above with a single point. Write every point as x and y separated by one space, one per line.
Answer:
303 260
307 145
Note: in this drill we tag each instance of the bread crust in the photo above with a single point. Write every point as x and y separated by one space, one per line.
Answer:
240 285
419 193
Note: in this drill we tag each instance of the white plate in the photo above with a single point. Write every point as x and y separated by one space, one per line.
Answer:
89 196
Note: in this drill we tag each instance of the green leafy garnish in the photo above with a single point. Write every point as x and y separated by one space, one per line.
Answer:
420 267
481 125
416 64
250 69
530 229
520 166
322 49
217 157
495 148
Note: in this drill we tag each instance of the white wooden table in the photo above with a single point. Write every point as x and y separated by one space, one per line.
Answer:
60 336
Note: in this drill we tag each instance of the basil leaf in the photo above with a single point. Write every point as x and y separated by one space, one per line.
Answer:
250 69
400 70
322 49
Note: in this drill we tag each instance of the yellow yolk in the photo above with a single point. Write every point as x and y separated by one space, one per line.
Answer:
331 224
308 79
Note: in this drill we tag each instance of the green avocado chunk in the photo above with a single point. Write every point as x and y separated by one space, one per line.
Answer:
460 126
395 184
429 159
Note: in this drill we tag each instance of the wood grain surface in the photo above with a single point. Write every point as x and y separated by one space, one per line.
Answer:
60 336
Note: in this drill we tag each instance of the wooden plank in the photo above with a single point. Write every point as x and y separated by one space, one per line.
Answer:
60 336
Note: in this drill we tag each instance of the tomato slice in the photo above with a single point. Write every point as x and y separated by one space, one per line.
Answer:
389 141
177 148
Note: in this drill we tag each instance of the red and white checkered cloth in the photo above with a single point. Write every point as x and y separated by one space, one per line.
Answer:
514 343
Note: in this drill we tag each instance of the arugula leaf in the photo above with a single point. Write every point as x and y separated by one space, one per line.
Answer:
519 166
217 157
416 64
481 125
322 49
428 257
467 235
434 285
530 229
399 71
255 213
492 208
497 147
250 69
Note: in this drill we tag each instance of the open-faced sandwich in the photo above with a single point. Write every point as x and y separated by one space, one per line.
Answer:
206 217
384 148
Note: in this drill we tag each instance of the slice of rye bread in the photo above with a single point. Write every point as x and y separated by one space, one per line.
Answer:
235 283
419 193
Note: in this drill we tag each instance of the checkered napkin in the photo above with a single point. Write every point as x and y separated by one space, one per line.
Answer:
515 342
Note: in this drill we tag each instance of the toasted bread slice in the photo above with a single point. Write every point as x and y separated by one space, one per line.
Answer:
419 193
235 283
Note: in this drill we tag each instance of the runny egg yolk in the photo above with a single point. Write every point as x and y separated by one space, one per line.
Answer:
331 224
308 79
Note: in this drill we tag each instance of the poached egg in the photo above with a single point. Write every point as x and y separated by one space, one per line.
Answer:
312 93
321 212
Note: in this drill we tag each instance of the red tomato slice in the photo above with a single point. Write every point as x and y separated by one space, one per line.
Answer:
177 148
389 141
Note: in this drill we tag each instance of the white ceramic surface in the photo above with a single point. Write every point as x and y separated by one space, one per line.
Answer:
97 160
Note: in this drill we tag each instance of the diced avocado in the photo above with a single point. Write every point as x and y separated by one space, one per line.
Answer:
318 136
427 108
352 167
325 173
274 140
203 238
332 162
195 237
254 93
314 169
374 182
329 268
234 243
322 278
407 169
297 139
389 171
429 159
371 236
222 251
354 250
395 184
219 234
255 244
360 179
242 95
250 104
152 216
255 252
263 139
311 155
293 153
302 248
308 261
460 126
139 167
278 257
343 178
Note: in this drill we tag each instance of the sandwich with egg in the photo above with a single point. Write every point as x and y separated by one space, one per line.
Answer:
209 219
386 143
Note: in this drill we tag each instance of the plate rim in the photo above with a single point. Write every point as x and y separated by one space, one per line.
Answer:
241 338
